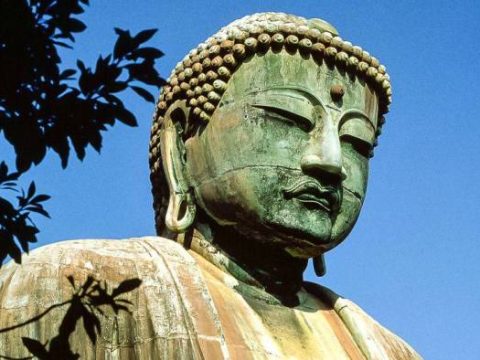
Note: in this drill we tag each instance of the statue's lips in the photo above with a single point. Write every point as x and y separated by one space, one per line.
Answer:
312 193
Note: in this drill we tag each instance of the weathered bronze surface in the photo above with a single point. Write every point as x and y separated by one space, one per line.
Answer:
259 157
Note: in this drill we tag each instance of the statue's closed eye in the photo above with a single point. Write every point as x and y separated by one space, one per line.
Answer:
360 146
287 116
356 129
358 134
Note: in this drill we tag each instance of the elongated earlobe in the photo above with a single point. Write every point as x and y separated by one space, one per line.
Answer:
319 265
181 205
180 212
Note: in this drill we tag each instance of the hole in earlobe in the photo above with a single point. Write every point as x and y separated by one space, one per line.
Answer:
182 210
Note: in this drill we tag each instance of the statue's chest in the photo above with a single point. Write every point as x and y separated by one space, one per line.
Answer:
256 328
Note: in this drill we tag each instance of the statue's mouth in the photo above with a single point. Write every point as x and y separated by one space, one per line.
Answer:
313 194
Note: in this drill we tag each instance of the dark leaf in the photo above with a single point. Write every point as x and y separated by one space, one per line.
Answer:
59 143
77 9
145 72
40 198
71 280
125 116
117 308
13 250
40 211
22 201
81 65
9 183
96 140
117 86
9 188
143 93
66 74
13 176
31 190
91 325
123 45
6 208
144 35
121 32
3 254
23 161
39 151
90 280
75 25
3 171
126 286
79 144
86 82
31 231
113 100
101 67
25 235
35 347
147 53
62 44
124 301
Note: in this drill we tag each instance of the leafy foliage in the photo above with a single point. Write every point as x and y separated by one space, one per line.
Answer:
15 221
44 107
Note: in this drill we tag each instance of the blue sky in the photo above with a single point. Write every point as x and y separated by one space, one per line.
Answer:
412 261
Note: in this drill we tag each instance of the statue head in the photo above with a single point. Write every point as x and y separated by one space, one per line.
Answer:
267 128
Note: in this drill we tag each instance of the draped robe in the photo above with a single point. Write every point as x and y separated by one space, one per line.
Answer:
184 308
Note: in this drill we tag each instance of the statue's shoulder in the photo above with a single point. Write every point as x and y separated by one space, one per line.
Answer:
80 253
375 341
155 261
155 281
103 259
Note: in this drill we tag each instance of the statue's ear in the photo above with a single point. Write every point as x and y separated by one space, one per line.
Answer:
181 205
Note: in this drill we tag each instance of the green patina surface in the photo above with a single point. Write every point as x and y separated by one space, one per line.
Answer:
276 129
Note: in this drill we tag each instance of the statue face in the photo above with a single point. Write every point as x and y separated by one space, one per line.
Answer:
281 160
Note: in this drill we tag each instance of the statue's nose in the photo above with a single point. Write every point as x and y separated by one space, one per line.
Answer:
324 154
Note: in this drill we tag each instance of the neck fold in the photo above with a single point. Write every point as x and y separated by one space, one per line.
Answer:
250 261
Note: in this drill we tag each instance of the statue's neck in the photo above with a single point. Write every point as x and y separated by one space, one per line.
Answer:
252 262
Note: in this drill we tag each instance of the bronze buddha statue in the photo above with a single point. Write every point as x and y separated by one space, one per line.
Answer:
259 159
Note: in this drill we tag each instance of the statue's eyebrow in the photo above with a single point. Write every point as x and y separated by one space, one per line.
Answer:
304 92
355 112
